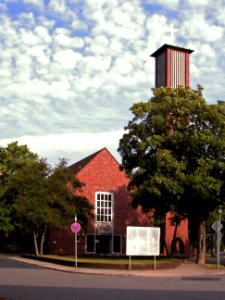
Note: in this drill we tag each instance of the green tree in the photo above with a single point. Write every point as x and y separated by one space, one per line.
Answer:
12 158
46 199
174 152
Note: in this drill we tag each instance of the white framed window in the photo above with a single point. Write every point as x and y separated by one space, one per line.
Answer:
104 206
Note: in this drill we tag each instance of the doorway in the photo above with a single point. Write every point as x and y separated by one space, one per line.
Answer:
103 244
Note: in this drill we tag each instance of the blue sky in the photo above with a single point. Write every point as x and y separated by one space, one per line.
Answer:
71 69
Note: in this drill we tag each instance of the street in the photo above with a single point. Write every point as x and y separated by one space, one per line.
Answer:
20 281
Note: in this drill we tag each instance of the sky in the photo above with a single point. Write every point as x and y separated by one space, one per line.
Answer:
71 69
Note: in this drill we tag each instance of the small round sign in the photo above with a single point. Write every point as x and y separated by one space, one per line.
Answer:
75 227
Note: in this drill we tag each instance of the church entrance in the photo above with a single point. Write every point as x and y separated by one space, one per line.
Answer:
103 244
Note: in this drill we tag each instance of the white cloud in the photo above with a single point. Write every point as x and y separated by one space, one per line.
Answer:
29 38
38 3
195 3
122 66
220 13
158 30
98 63
27 18
66 70
58 6
72 146
43 34
116 46
67 58
200 28
63 40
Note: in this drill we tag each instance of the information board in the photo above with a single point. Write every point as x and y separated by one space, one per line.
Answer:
143 241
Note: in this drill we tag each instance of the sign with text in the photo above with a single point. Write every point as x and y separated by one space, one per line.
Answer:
143 241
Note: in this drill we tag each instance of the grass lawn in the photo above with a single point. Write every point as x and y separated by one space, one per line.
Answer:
112 260
214 267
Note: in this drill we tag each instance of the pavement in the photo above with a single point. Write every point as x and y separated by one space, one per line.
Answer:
186 269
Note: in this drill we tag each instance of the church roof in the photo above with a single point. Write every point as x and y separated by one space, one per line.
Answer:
76 167
165 46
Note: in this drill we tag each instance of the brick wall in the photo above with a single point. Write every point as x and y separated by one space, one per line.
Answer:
102 174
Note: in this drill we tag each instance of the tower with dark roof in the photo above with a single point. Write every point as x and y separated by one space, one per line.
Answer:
172 66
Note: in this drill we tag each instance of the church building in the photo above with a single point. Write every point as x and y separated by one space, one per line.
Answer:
106 186
106 189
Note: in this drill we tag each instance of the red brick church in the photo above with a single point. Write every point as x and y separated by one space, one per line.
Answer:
106 186
106 189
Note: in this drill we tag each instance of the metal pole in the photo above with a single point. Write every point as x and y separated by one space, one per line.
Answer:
75 218
218 241
154 262
218 249
130 262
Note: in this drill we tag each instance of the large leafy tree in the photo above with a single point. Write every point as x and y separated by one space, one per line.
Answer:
12 158
46 198
174 152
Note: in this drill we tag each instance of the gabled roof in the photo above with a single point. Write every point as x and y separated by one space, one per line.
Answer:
75 168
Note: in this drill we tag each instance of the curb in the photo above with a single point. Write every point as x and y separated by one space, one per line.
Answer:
184 270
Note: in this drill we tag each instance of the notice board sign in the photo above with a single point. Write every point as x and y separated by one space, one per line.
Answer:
143 241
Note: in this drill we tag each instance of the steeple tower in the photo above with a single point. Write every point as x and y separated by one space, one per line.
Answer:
172 66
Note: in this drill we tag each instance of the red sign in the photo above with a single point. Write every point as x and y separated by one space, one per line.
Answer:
75 227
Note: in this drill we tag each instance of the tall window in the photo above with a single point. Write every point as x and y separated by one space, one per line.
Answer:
104 207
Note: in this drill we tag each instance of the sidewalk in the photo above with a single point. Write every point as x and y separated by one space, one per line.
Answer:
187 269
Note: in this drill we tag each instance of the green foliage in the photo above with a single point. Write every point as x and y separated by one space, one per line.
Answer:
12 158
5 217
43 200
174 152
35 197
29 189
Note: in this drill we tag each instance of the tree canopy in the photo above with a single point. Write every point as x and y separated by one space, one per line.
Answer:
12 158
36 197
174 152
45 198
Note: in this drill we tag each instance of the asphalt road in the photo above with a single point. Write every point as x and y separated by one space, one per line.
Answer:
20 281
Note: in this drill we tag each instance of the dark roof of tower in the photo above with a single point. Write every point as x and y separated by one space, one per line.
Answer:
165 46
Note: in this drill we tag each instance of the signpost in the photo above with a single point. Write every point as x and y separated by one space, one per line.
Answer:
75 227
217 226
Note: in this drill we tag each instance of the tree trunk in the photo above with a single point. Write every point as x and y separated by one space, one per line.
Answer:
201 254
35 243
42 241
